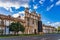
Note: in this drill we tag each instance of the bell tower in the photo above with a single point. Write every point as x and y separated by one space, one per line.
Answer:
26 10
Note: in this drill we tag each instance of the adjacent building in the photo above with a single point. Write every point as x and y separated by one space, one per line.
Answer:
48 29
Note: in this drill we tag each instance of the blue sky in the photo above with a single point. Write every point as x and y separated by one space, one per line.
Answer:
49 9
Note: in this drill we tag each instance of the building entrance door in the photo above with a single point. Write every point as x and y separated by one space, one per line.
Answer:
34 31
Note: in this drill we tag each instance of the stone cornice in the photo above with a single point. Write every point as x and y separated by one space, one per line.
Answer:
4 17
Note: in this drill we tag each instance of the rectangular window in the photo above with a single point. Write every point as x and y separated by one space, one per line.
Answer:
33 21
36 22
0 21
28 21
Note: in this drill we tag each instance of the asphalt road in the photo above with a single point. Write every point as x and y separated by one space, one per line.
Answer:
45 37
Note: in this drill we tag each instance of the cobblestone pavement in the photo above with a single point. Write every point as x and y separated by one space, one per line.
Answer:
45 37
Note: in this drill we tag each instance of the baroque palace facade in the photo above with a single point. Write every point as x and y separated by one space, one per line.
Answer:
31 22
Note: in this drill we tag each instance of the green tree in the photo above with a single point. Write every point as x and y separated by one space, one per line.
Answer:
16 27
58 28
21 27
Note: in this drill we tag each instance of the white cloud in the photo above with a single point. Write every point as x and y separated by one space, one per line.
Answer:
25 5
35 6
10 9
33 0
22 12
55 24
51 0
15 15
41 1
19 14
14 3
48 8
48 22
58 2
7 5
30 10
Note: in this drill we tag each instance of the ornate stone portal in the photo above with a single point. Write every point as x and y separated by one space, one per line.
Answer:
31 21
